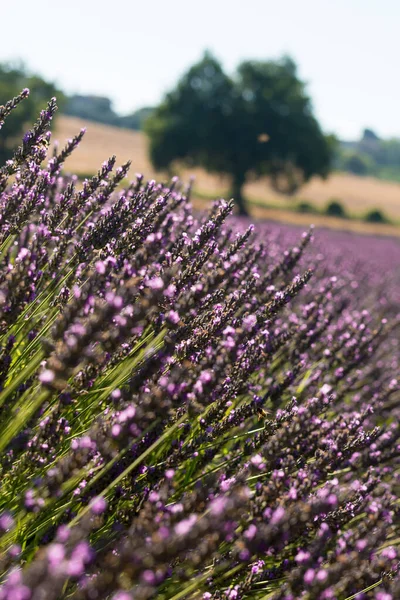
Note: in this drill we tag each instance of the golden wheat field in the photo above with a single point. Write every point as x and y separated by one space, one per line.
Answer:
357 194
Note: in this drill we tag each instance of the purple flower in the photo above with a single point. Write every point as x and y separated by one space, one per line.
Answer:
156 283
183 527
302 556
149 577
55 554
6 522
98 505
249 322
277 515
173 317
47 376
309 576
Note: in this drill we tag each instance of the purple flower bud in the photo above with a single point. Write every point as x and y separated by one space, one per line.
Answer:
156 283
100 267
47 376
6 522
277 515
218 505
63 533
249 322
98 505
183 527
149 577
173 317
250 532
309 576
302 556
55 554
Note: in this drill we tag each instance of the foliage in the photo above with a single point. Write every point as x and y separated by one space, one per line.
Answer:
92 108
357 163
306 207
137 119
376 216
258 123
370 155
12 79
100 110
185 412
336 209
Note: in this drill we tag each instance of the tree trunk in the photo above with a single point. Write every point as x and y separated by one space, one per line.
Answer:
237 187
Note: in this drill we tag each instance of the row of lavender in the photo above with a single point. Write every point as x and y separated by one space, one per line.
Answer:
189 409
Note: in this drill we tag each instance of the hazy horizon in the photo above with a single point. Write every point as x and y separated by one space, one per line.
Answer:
133 53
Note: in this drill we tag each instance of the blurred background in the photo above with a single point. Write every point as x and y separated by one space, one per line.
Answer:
290 107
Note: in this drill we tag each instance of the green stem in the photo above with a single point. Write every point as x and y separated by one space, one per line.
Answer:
130 468
25 374
21 418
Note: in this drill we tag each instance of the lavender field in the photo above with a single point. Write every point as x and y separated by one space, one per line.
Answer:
190 406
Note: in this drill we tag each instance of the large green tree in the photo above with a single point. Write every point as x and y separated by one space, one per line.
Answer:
13 79
258 122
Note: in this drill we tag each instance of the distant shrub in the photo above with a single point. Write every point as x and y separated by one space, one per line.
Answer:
359 164
81 176
376 216
336 209
306 207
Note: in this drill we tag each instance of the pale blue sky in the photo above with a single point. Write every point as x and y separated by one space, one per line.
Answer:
347 50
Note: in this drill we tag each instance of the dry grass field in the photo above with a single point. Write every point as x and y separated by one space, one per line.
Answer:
357 194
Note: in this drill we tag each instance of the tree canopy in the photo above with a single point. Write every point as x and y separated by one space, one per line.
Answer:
258 122
13 79
91 108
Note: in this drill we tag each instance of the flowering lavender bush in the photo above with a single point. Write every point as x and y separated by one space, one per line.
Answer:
185 412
